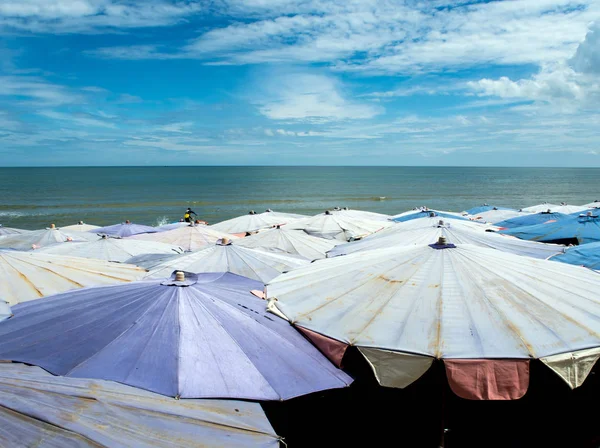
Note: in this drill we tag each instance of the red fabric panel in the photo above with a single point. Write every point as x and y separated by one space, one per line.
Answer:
334 350
488 379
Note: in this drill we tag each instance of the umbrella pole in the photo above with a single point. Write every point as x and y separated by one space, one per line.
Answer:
443 416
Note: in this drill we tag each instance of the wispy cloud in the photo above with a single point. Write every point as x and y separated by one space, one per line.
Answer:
78 119
310 96
29 88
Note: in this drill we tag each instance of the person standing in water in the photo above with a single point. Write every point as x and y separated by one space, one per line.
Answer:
187 217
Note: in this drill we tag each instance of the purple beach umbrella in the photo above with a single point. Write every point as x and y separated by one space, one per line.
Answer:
125 229
191 336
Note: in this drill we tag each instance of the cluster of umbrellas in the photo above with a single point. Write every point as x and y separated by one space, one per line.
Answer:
164 330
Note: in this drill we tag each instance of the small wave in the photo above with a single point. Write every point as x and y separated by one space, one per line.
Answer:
13 214
162 221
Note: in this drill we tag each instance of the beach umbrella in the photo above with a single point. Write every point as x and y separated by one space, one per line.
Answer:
43 238
295 242
332 225
190 238
361 215
172 226
227 257
189 336
543 207
125 229
80 227
458 234
112 249
571 230
485 208
595 204
5 311
254 221
531 219
5 231
416 214
30 275
587 255
484 312
494 216
43 410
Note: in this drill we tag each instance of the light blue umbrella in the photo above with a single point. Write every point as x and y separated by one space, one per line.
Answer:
427 213
587 255
198 336
574 229
531 220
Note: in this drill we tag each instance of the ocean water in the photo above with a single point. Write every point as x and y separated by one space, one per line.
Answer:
32 198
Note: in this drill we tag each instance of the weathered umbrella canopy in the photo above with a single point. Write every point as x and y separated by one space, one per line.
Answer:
43 238
486 313
531 219
574 229
228 257
30 275
42 410
199 336
333 225
5 231
190 238
172 226
543 207
252 222
452 231
494 216
5 311
587 255
569 209
80 227
112 249
125 229
295 242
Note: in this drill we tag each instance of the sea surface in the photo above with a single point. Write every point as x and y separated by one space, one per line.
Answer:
33 198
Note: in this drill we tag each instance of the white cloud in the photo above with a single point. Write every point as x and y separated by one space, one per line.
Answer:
80 119
587 57
88 16
126 98
174 144
390 36
178 128
37 90
307 96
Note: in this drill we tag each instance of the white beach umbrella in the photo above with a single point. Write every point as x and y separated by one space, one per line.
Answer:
190 238
543 207
361 215
228 257
5 311
254 221
80 227
333 226
452 231
494 216
43 238
6 231
486 313
111 249
566 209
425 209
43 410
295 242
30 275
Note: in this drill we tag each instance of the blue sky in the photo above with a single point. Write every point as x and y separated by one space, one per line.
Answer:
300 82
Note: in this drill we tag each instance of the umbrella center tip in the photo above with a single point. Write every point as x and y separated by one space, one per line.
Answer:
179 276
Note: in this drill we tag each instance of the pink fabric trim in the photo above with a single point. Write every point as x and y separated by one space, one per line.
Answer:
334 350
259 294
239 235
488 379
